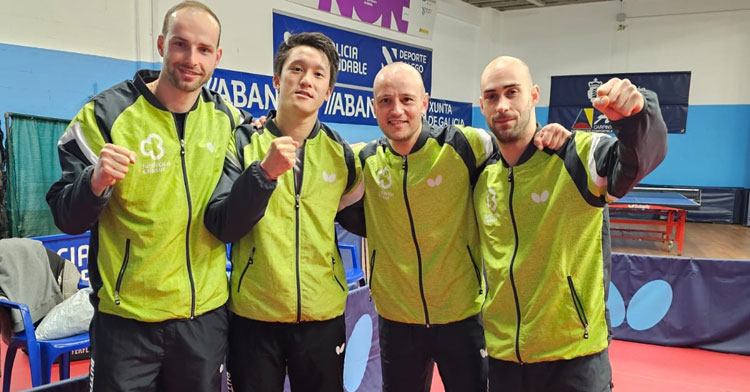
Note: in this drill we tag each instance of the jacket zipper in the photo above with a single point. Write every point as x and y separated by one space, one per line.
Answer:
416 244
297 191
249 263
476 269
512 261
579 308
333 268
372 271
187 229
125 259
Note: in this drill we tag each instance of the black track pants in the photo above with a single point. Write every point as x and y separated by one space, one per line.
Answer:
262 353
173 355
409 353
591 373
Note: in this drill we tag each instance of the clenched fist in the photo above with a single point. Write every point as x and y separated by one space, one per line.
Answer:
111 167
280 157
618 98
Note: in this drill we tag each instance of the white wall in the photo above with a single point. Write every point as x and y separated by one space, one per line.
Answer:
127 29
711 39
106 28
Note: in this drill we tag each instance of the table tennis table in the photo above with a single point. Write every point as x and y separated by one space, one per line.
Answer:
668 205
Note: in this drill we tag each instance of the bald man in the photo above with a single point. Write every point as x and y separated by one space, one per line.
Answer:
426 273
544 231
139 163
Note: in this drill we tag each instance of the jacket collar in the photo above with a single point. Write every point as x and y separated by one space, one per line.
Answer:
145 76
274 129
528 152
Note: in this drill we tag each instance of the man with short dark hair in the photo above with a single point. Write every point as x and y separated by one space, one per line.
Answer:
276 202
139 164
544 231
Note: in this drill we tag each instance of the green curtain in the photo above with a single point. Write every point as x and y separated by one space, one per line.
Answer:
3 214
33 166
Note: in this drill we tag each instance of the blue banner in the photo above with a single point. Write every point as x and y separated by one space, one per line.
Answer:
251 92
441 112
676 301
361 56
255 93
570 99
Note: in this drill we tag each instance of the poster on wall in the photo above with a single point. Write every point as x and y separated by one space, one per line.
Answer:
443 112
571 96
362 56
413 17
256 94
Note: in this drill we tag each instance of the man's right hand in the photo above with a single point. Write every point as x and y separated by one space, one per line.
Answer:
280 157
111 167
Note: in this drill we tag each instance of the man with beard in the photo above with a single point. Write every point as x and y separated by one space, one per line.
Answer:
544 231
139 164
425 271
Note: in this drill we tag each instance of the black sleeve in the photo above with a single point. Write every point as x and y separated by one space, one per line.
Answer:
239 201
75 208
352 218
640 146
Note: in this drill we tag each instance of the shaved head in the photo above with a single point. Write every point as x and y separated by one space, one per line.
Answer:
507 63
400 70
399 102
507 100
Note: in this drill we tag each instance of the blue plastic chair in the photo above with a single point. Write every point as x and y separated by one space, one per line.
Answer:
350 257
42 353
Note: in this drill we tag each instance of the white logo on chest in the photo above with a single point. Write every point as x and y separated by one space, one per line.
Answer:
383 178
540 198
435 182
329 178
153 147
491 199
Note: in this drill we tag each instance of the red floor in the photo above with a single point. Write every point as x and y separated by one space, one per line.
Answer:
636 368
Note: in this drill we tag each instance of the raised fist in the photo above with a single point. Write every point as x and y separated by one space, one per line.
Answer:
111 167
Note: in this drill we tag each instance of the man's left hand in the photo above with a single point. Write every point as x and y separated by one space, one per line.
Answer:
259 122
551 136
618 98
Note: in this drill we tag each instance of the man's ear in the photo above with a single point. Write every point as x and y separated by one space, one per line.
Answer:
535 94
160 45
276 82
425 103
328 93
219 52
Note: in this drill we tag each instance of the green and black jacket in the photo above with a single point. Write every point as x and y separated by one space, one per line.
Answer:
150 255
545 237
286 264
419 216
